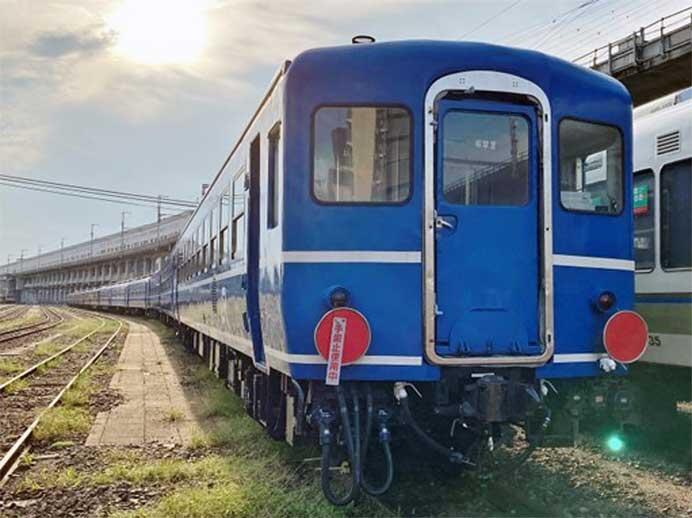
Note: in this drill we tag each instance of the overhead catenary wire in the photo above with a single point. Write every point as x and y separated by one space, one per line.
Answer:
570 18
516 36
75 195
488 20
575 42
12 180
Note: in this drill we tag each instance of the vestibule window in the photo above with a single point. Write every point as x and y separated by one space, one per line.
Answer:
361 155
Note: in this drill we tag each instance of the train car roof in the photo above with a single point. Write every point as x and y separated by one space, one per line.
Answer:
418 63
664 103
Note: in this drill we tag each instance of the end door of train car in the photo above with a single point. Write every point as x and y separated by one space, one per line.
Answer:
486 251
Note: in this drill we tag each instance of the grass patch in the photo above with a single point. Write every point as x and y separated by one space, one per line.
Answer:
16 387
61 423
48 349
71 417
9 366
79 392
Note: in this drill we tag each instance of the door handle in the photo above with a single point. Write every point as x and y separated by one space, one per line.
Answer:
441 222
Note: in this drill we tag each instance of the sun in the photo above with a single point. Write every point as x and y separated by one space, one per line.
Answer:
160 32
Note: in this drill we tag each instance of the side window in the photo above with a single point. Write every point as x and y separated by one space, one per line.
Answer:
238 218
644 222
591 176
361 155
213 230
676 215
205 243
273 178
223 224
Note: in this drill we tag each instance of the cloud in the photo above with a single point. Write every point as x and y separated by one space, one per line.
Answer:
59 44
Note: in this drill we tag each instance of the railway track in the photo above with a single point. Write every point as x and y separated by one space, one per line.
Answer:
51 319
41 395
13 312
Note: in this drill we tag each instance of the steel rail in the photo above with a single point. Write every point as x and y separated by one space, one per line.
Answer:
16 451
6 336
13 312
34 368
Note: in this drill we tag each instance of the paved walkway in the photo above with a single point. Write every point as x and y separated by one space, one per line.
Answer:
155 406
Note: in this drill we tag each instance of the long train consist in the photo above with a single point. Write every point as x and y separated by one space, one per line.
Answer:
663 246
413 238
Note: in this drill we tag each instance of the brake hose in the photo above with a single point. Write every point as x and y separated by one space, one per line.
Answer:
384 440
325 464
453 455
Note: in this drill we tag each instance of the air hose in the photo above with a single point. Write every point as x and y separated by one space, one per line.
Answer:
454 456
384 440
325 465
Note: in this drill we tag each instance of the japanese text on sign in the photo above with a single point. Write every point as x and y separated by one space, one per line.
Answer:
336 351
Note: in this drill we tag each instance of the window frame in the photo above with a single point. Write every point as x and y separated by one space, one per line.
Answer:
643 172
660 219
531 181
622 167
273 176
235 252
404 201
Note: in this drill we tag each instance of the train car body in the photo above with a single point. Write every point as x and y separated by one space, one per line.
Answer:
663 226
451 215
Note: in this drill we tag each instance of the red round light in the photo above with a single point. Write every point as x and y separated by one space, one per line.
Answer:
625 336
356 335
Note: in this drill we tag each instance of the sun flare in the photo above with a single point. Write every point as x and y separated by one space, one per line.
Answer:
159 32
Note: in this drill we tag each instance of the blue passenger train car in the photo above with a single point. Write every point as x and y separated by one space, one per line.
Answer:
448 218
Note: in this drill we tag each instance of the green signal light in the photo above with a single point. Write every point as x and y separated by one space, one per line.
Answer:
615 443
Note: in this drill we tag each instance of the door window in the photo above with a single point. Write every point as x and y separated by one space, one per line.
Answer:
485 158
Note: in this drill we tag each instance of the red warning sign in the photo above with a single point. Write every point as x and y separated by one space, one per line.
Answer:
342 336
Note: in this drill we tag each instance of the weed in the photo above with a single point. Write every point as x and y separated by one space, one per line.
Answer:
61 423
16 387
10 366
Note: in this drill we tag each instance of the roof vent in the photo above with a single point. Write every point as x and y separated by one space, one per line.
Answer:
362 38
668 143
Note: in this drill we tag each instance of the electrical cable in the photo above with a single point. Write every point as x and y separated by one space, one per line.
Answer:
75 195
97 191
493 17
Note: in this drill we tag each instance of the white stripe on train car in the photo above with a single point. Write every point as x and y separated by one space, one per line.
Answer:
316 359
578 357
583 261
352 256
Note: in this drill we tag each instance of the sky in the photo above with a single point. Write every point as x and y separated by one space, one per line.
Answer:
149 96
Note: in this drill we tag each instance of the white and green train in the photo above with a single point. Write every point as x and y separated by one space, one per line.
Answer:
663 238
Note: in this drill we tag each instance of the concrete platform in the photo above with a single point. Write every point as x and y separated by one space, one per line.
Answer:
155 408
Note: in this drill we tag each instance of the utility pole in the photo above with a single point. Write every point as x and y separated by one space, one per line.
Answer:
21 260
62 245
122 235
122 229
91 253
38 256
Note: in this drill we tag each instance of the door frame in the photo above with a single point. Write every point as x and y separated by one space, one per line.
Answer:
472 82
252 251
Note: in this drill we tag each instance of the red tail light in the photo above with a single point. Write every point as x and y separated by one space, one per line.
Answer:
625 336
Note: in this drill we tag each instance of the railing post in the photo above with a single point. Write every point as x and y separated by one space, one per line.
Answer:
610 56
